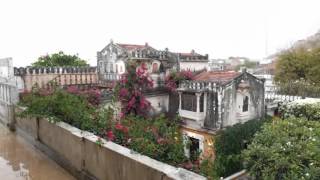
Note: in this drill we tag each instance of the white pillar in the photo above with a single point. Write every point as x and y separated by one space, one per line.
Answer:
198 102
180 100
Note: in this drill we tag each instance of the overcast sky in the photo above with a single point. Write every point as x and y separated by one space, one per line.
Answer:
220 28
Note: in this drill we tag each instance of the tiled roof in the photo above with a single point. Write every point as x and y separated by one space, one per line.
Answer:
217 76
131 46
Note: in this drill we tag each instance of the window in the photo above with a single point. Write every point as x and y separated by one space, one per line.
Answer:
101 66
154 67
116 68
189 102
201 102
105 67
194 148
245 105
111 67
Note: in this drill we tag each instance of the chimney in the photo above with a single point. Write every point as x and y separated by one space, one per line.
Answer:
192 52
146 44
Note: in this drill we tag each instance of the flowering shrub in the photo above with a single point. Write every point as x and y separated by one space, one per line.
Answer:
172 80
92 95
157 138
129 90
285 149
306 108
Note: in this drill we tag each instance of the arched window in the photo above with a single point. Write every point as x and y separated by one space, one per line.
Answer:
245 105
111 67
154 67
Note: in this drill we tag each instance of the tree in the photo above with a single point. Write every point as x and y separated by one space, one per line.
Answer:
298 71
298 63
285 149
59 59
129 90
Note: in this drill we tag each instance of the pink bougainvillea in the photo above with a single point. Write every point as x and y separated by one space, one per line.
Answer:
130 88
172 80
110 135
92 95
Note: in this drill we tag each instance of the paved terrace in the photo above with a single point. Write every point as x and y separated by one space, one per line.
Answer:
19 160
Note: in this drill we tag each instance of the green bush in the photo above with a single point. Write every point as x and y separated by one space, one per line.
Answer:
230 142
304 108
59 105
285 149
157 138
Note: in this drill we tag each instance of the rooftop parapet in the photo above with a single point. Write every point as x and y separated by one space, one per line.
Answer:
53 70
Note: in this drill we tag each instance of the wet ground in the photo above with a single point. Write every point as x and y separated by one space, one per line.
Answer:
19 160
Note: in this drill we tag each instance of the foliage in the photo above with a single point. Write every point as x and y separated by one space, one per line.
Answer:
305 108
157 138
299 88
58 105
298 63
285 149
129 90
92 95
172 80
207 169
59 59
230 142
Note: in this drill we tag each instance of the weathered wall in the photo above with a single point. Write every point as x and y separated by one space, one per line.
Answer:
173 104
159 103
61 76
233 97
8 97
207 139
77 151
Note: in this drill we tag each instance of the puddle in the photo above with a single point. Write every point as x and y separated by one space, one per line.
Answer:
19 160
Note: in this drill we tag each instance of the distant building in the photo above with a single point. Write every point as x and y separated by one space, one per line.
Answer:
112 58
193 61
215 100
217 65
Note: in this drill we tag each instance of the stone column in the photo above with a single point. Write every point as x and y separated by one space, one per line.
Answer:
180 100
198 102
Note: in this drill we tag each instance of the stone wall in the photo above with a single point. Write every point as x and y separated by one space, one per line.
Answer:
62 76
78 152
8 97
159 103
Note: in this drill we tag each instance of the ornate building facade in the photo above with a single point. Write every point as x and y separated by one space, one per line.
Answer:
215 100
112 58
